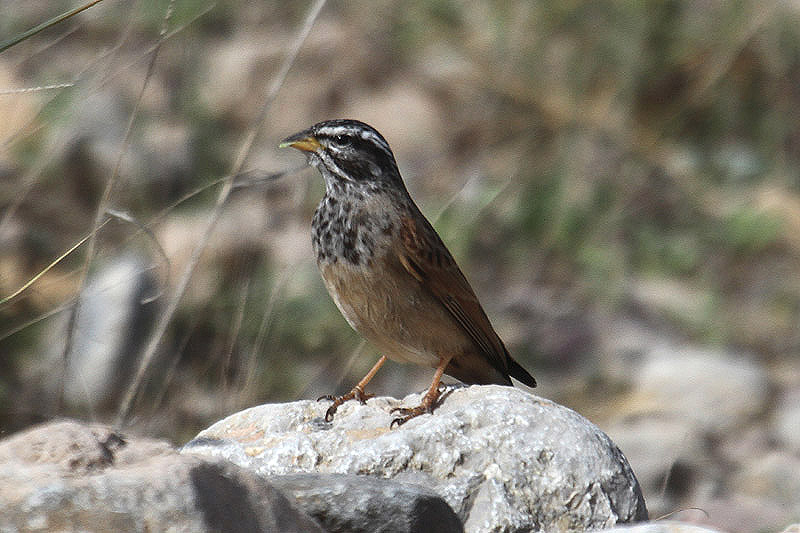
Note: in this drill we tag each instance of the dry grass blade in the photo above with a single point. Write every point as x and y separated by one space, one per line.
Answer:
127 217
249 366
44 25
60 258
44 316
227 187
104 201
25 90
235 327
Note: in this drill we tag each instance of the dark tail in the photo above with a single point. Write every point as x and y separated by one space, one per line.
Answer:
516 371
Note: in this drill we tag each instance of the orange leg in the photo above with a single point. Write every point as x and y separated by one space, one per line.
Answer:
428 401
356 394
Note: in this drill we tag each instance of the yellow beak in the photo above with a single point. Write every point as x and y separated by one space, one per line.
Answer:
301 141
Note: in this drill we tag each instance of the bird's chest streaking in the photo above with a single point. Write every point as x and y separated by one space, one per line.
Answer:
353 245
346 229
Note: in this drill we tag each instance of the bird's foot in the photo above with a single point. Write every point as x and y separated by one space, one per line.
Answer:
427 405
356 394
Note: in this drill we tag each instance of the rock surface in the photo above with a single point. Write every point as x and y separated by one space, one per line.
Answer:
667 526
705 428
695 385
109 333
361 504
503 459
67 476
787 415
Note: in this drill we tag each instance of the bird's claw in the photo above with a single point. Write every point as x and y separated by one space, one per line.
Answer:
407 413
356 394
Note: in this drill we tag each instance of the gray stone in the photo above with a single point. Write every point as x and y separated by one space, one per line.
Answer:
356 504
787 420
113 317
661 450
67 476
665 526
775 474
740 513
696 385
503 459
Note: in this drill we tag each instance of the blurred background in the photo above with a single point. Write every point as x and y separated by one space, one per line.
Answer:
620 181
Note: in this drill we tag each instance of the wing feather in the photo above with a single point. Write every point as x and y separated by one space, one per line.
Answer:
445 281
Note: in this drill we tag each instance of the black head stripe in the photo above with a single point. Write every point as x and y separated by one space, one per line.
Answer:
359 133
354 152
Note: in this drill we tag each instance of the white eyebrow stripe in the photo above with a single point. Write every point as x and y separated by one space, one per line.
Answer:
367 135
332 131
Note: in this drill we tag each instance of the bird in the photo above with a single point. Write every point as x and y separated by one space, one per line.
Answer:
389 272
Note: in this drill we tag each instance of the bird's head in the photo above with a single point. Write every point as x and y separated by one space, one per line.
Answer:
347 152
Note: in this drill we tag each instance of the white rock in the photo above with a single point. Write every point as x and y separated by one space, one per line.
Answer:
714 390
787 420
503 459
665 526
655 446
774 475
70 476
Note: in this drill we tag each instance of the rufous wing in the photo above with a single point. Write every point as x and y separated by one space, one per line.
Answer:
426 258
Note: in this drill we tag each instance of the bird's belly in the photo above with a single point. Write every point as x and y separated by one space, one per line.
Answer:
389 308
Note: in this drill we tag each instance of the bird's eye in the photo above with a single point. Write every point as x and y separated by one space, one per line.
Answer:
342 140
